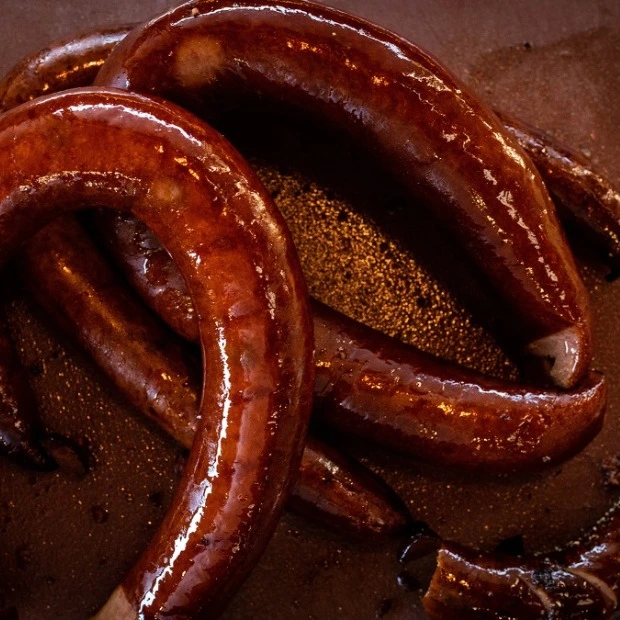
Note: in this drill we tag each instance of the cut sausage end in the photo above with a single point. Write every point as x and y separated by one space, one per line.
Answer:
117 607
567 352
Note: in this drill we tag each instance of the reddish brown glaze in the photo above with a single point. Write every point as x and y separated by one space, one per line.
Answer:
583 582
373 386
585 198
341 494
63 64
79 292
20 427
392 394
148 268
436 137
412 419
86 148
577 189
583 195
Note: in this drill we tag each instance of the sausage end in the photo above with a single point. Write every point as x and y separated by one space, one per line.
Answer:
567 353
117 607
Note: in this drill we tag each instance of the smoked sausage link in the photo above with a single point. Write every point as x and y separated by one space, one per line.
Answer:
390 393
80 293
76 288
367 384
120 150
581 582
449 149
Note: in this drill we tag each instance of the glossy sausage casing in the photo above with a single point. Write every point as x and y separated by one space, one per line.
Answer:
584 196
586 199
340 493
390 393
85 148
436 137
373 386
65 64
583 582
79 292
403 399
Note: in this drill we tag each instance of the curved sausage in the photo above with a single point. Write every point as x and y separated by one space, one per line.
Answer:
583 582
148 268
417 416
20 427
76 288
82 148
373 386
64 64
436 137
342 494
79 292
392 394
584 197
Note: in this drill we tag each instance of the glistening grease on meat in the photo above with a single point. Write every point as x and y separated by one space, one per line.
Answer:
85 148
81 294
405 399
390 393
582 582
448 148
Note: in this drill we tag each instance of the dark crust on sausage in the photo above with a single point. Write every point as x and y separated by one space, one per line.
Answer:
436 137
84 148
583 582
